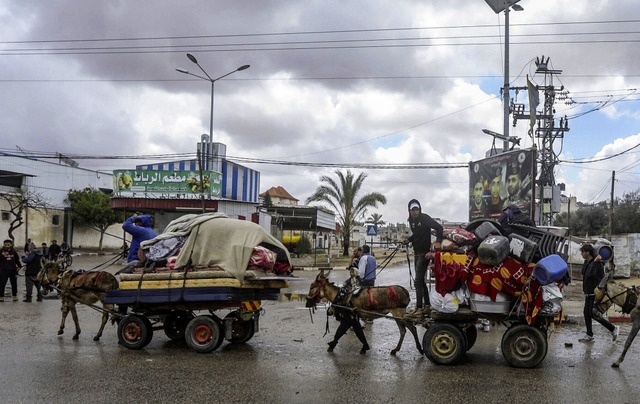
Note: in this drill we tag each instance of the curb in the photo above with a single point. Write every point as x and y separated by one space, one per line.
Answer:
89 254
578 319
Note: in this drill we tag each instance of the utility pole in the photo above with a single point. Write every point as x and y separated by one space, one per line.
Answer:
546 132
613 183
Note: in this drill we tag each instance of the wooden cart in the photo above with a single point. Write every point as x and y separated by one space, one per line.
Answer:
174 305
450 336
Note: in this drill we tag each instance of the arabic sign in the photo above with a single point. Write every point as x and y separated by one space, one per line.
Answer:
498 181
166 183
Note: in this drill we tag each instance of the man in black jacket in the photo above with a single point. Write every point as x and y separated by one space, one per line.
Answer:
421 225
33 260
592 274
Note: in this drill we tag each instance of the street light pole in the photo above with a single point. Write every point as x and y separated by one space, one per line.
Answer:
213 82
497 6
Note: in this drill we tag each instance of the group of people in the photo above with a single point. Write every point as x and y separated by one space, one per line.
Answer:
51 252
10 263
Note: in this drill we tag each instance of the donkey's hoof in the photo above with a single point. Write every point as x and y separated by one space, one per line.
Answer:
615 365
75 337
394 352
96 338
60 332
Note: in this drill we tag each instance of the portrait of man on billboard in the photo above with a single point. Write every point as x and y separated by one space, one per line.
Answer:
478 205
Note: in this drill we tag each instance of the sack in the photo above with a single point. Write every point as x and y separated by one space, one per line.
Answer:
444 304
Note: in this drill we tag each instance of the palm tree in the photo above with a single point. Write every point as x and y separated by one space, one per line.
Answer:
376 219
342 197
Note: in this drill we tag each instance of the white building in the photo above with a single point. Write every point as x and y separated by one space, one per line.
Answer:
51 181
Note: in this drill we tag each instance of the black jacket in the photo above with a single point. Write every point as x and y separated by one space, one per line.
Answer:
421 231
592 274
34 263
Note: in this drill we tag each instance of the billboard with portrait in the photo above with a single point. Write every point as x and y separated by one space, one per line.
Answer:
498 181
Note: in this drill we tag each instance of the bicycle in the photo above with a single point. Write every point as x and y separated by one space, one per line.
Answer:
66 259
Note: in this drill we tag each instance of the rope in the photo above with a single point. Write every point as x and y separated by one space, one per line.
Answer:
387 260
92 306
412 281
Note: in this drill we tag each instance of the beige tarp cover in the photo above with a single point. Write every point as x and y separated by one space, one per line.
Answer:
216 240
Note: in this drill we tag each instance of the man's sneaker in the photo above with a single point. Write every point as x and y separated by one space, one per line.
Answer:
587 338
417 313
15 298
615 332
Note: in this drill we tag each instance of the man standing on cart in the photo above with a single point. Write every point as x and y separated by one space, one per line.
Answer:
139 226
421 225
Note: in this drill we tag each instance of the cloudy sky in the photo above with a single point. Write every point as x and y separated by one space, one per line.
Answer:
361 82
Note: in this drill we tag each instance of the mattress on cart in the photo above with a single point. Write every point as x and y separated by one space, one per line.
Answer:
193 279
189 295
195 283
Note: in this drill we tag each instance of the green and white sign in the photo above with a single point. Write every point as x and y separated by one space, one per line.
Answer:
160 183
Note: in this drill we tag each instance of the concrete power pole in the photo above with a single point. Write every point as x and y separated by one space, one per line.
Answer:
548 193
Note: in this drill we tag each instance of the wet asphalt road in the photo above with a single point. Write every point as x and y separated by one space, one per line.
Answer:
286 361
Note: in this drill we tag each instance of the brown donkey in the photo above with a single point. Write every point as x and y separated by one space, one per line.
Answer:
370 303
78 287
627 299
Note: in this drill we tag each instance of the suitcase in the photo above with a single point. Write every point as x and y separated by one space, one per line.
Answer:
493 250
521 248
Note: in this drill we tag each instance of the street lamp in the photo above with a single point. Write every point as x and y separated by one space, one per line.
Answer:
212 81
498 6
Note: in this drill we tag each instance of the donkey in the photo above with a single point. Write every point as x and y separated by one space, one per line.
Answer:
370 303
627 299
78 287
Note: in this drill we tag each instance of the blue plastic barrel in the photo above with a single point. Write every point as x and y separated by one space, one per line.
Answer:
604 251
550 269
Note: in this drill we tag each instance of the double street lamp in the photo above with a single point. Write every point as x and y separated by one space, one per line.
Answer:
212 81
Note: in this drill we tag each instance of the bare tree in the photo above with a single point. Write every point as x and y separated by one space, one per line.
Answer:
19 202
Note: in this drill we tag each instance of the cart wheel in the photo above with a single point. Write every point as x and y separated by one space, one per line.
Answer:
444 344
134 331
241 330
204 334
471 335
176 323
524 346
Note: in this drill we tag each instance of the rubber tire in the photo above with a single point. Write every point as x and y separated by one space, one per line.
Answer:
444 344
176 323
135 332
241 330
204 334
524 346
471 335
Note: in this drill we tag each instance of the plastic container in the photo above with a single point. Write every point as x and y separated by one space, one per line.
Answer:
486 229
493 250
550 269
484 304
604 251
521 248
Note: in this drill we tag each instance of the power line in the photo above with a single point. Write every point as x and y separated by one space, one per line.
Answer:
346 31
